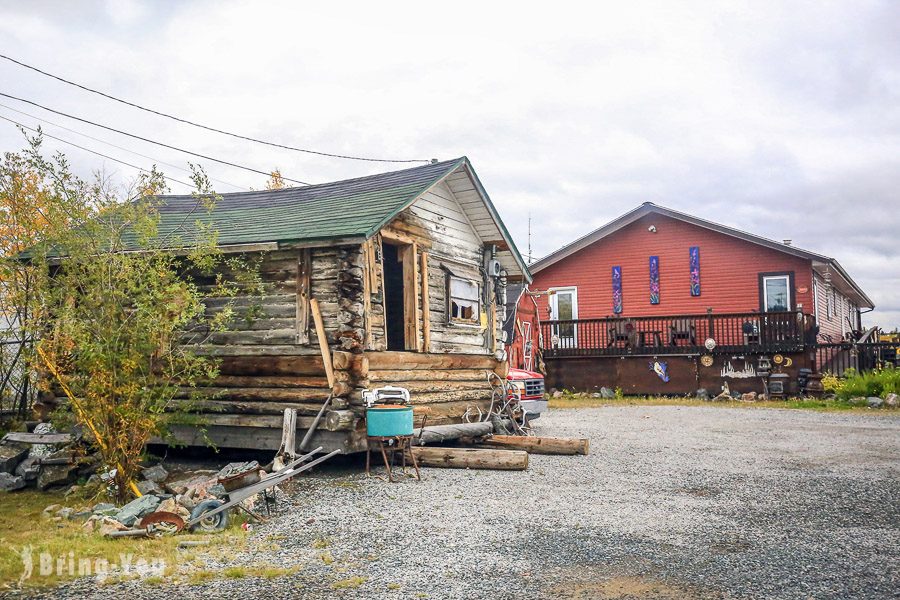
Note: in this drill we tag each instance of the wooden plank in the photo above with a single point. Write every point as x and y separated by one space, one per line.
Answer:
538 445
38 438
471 458
367 294
410 297
426 307
323 342
304 269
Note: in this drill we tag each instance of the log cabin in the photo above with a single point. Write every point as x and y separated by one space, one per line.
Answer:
408 270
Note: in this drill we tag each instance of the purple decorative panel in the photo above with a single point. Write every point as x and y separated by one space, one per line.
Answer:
654 280
617 289
695 270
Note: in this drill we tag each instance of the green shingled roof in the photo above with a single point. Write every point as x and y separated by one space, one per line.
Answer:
343 209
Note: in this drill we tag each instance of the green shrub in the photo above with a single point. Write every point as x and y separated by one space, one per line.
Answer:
874 383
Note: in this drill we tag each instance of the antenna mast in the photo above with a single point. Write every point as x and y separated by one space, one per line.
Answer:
529 238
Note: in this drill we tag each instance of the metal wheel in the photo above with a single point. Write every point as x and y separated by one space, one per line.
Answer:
213 523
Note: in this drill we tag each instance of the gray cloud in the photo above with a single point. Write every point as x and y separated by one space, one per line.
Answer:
782 118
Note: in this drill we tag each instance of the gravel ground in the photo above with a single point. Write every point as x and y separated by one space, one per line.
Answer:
672 502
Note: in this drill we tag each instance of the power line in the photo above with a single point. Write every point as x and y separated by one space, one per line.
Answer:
143 139
208 128
90 137
127 164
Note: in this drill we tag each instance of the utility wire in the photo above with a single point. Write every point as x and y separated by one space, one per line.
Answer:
90 137
143 139
208 128
38 131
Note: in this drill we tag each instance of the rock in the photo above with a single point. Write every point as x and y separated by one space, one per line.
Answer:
11 454
89 524
195 486
65 513
156 474
81 515
857 400
149 487
762 397
51 475
107 525
185 501
874 402
42 450
9 482
557 394
723 397
105 508
702 394
596 395
136 509
892 400
172 506
30 468
607 393
748 397
52 508
217 490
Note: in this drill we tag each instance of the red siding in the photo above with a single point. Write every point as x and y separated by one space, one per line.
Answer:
729 271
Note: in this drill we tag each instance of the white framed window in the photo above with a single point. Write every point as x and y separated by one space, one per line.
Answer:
776 293
463 300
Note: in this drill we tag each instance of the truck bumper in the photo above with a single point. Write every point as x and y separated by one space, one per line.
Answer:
533 408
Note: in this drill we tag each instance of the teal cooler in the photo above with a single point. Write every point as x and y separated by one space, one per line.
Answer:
389 420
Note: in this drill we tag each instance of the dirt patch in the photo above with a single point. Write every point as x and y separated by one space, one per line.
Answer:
627 588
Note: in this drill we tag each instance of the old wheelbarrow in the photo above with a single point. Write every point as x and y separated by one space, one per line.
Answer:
212 515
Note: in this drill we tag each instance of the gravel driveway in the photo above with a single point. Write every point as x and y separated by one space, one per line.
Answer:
672 502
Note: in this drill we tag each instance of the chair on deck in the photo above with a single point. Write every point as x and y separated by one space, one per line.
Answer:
621 330
682 329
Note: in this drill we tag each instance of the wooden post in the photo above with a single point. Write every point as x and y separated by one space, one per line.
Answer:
323 342
304 267
426 305
470 458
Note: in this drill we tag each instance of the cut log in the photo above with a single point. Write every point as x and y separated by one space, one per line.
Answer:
251 394
341 388
471 458
443 433
410 360
395 375
537 445
272 365
339 420
274 381
356 364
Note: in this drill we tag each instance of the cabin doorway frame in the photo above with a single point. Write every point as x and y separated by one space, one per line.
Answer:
407 256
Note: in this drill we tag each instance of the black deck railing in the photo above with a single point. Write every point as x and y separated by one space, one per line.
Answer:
679 334
838 358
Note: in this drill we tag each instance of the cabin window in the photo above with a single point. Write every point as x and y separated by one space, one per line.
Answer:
465 300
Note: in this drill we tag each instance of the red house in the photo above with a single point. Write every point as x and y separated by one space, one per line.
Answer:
656 282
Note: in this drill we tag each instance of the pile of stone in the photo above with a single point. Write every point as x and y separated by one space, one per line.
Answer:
175 493
889 401
43 466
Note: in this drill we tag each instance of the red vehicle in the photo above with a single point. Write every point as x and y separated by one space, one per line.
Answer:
523 331
529 386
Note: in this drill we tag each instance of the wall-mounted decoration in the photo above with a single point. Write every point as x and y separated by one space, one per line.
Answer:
617 290
706 360
661 369
746 373
654 280
695 270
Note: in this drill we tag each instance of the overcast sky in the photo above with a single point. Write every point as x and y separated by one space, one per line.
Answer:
779 118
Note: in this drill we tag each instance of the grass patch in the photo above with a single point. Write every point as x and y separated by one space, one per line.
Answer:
349 583
23 525
569 401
